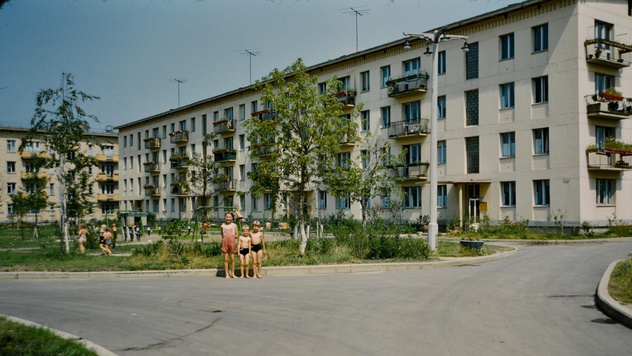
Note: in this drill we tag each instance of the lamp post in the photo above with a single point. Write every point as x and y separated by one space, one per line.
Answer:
434 39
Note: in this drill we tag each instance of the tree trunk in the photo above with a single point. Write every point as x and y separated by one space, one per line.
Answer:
303 237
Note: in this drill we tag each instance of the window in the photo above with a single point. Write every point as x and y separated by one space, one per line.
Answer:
441 68
507 46
345 84
603 133
242 172
215 116
11 188
605 191
412 197
322 88
253 107
541 141
343 159
508 144
10 209
10 145
412 112
131 140
228 113
441 106
471 62
541 38
603 82
343 201
540 90
442 196
33 146
442 153
603 31
366 120
507 96
124 141
242 142
386 116
164 131
412 67
242 112
541 194
472 155
413 153
386 74
366 159
386 200
10 167
365 78
242 202
322 200
51 189
508 193
267 201
193 124
471 108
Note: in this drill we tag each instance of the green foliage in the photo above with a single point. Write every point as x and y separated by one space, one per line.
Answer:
620 285
175 228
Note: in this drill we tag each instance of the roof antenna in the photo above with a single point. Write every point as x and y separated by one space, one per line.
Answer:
358 12
251 53
179 81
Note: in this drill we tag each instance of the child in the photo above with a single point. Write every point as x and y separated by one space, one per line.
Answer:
229 233
83 237
102 245
107 237
244 251
258 248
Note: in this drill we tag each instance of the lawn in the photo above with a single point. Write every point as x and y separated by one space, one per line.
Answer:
620 286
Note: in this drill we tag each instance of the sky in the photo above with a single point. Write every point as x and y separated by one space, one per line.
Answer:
129 52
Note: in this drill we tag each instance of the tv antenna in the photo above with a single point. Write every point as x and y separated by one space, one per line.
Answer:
179 81
251 53
357 12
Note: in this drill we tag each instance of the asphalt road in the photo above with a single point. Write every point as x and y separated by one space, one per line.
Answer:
539 302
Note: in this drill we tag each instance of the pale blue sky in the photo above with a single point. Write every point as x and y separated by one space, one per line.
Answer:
127 51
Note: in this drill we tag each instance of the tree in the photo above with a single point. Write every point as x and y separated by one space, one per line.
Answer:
300 137
62 124
20 202
203 172
37 197
370 177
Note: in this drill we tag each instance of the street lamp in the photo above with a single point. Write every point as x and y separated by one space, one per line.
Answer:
434 39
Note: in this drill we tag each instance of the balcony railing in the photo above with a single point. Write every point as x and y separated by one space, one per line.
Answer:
608 53
33 175
225 156
265 115
33 154
179 137
407 85
180 162
608 160
177 189
414 127
263 151
107 197
347 98
111 158
152 143
229 185
105 178
348 139
607 106
152 190
412 171
224 126
152 167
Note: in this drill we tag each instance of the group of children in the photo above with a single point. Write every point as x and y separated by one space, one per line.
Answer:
250 244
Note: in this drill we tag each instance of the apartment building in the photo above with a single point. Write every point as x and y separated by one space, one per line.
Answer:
16 169
523 123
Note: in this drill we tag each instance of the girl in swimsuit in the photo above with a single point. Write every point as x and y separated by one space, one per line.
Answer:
229 233
258 248
244 251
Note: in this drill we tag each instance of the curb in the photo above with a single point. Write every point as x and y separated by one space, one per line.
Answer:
268 271
100 350
607 304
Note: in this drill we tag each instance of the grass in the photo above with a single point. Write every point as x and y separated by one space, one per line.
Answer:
620 285
17 339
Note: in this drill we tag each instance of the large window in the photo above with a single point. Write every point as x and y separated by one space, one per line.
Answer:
441 107
366 159
343 201
540 90
413 153
412 67
603 82
412 197
507 46
507 96
322 200
442 153
343 159
10 167
11 188
605 191
471 108
442 196
11 145
472 154
386 116
603 133
366 120
508 144
541 193
242 114
603 31
441 64
365 79
471 62
508 193
386 74
412 112
541 38
541 141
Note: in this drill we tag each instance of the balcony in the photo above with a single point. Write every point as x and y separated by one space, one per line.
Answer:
151 190
347 98
107 158
609 159
407 85
417 171
178 188
33 175
179 137
608 53
107 178
152 143
608 106
410 128
26 155
107 197
179 162
224 126
152 167
265 115
263 151
225 155
225 185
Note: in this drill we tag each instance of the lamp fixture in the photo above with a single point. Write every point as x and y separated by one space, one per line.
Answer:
428 51
466 47
407 45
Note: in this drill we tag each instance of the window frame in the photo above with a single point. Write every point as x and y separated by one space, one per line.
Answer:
508 194
507 46
540 35
540 88
541 144
365 81
541 192
508 144
605 191
507 95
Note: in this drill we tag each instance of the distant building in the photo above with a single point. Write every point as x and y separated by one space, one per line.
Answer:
15 169
523 122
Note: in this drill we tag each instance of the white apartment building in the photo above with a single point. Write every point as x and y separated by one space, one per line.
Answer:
516 114
16 174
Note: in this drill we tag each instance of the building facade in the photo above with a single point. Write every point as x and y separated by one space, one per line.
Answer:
525 118
16 174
